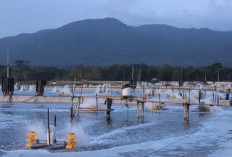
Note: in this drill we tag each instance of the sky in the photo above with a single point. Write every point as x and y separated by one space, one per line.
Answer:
27 16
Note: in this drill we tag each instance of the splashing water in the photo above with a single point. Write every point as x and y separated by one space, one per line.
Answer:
31 88
98 89
82 137
65 91
89 103
55 89
60 134
103 89
38 127
22 88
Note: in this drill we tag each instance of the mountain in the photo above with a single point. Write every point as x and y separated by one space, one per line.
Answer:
109 41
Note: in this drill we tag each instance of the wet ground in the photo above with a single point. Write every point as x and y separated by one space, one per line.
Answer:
160 133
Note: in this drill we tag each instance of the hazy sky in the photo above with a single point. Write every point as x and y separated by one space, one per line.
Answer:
25 16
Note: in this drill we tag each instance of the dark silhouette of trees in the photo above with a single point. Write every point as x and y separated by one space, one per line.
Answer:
22 71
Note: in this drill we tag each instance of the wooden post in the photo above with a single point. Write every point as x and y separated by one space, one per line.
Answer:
159 101
154 92
73 91
96 102
71 109
108 106
111 89
48 123
73 88
143 108
55 120
143 93
138 109
189 97
8 65
186 110
213 99
199 96
126 103
81 87
172 92
79 103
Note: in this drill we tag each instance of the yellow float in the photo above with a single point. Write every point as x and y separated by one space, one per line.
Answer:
31 138
71 141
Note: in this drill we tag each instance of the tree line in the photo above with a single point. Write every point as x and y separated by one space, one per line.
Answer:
22 71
